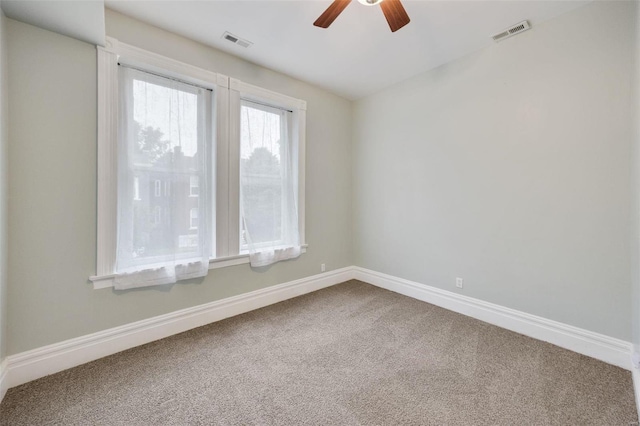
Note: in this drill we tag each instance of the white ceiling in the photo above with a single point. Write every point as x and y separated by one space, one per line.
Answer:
356 56
83 20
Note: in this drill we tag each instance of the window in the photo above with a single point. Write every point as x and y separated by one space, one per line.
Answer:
193 218
164 133
194 187
270 158
156 220
196 171
267 204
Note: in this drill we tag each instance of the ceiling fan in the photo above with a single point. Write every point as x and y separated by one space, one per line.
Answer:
393 10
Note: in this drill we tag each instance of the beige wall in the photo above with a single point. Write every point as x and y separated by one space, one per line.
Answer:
52 186
509 168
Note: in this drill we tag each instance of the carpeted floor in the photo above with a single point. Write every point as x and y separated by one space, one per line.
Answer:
350 354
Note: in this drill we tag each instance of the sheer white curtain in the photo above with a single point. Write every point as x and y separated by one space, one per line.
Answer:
164 204
268 190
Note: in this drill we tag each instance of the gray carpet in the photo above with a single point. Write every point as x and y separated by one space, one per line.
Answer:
350 354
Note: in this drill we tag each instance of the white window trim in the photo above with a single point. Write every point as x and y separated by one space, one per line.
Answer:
109 56
228 92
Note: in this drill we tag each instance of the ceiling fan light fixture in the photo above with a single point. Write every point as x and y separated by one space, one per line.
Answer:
392 10
370 2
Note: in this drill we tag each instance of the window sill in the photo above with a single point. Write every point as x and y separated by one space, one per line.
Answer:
106 281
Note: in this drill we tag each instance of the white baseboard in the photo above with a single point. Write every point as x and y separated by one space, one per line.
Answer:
605 348
4 383
31 365
24 367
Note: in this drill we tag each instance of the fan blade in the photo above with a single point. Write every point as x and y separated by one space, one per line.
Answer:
331 13
396 15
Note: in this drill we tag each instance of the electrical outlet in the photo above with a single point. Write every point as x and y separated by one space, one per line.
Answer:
459 282
323 268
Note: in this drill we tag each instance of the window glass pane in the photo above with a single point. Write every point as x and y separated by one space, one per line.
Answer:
165 151
166 126
262 142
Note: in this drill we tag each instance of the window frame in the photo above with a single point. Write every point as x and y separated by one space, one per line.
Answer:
225 179
264 106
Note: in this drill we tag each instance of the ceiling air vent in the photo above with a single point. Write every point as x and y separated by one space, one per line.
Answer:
236 40
511 31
